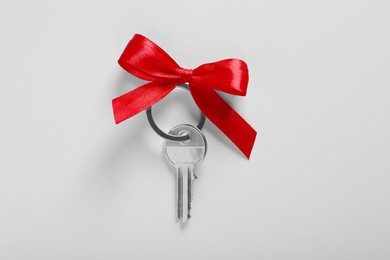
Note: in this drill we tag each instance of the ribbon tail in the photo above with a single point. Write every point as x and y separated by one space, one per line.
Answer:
225 118
139 99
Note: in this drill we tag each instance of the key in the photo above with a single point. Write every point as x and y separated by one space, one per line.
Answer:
185 156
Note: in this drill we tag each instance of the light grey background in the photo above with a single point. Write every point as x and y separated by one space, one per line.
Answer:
73 185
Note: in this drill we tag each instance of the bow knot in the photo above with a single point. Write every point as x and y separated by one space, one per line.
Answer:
186 75
146 60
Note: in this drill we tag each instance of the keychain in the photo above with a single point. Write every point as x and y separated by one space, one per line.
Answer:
185 145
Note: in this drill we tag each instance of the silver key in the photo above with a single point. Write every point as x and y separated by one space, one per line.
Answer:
185 155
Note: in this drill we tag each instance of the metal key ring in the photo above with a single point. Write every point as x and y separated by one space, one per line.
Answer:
173 137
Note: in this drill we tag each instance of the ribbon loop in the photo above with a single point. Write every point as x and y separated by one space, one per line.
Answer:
146 60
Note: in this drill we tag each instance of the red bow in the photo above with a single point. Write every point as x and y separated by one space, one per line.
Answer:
145 60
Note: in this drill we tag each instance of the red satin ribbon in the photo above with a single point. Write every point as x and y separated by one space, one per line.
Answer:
145 60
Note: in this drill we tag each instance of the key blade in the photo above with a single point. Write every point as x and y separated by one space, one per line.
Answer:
184 196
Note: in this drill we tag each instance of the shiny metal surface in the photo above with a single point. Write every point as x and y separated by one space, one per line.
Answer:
185 156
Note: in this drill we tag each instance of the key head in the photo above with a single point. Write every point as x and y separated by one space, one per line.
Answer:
189 151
